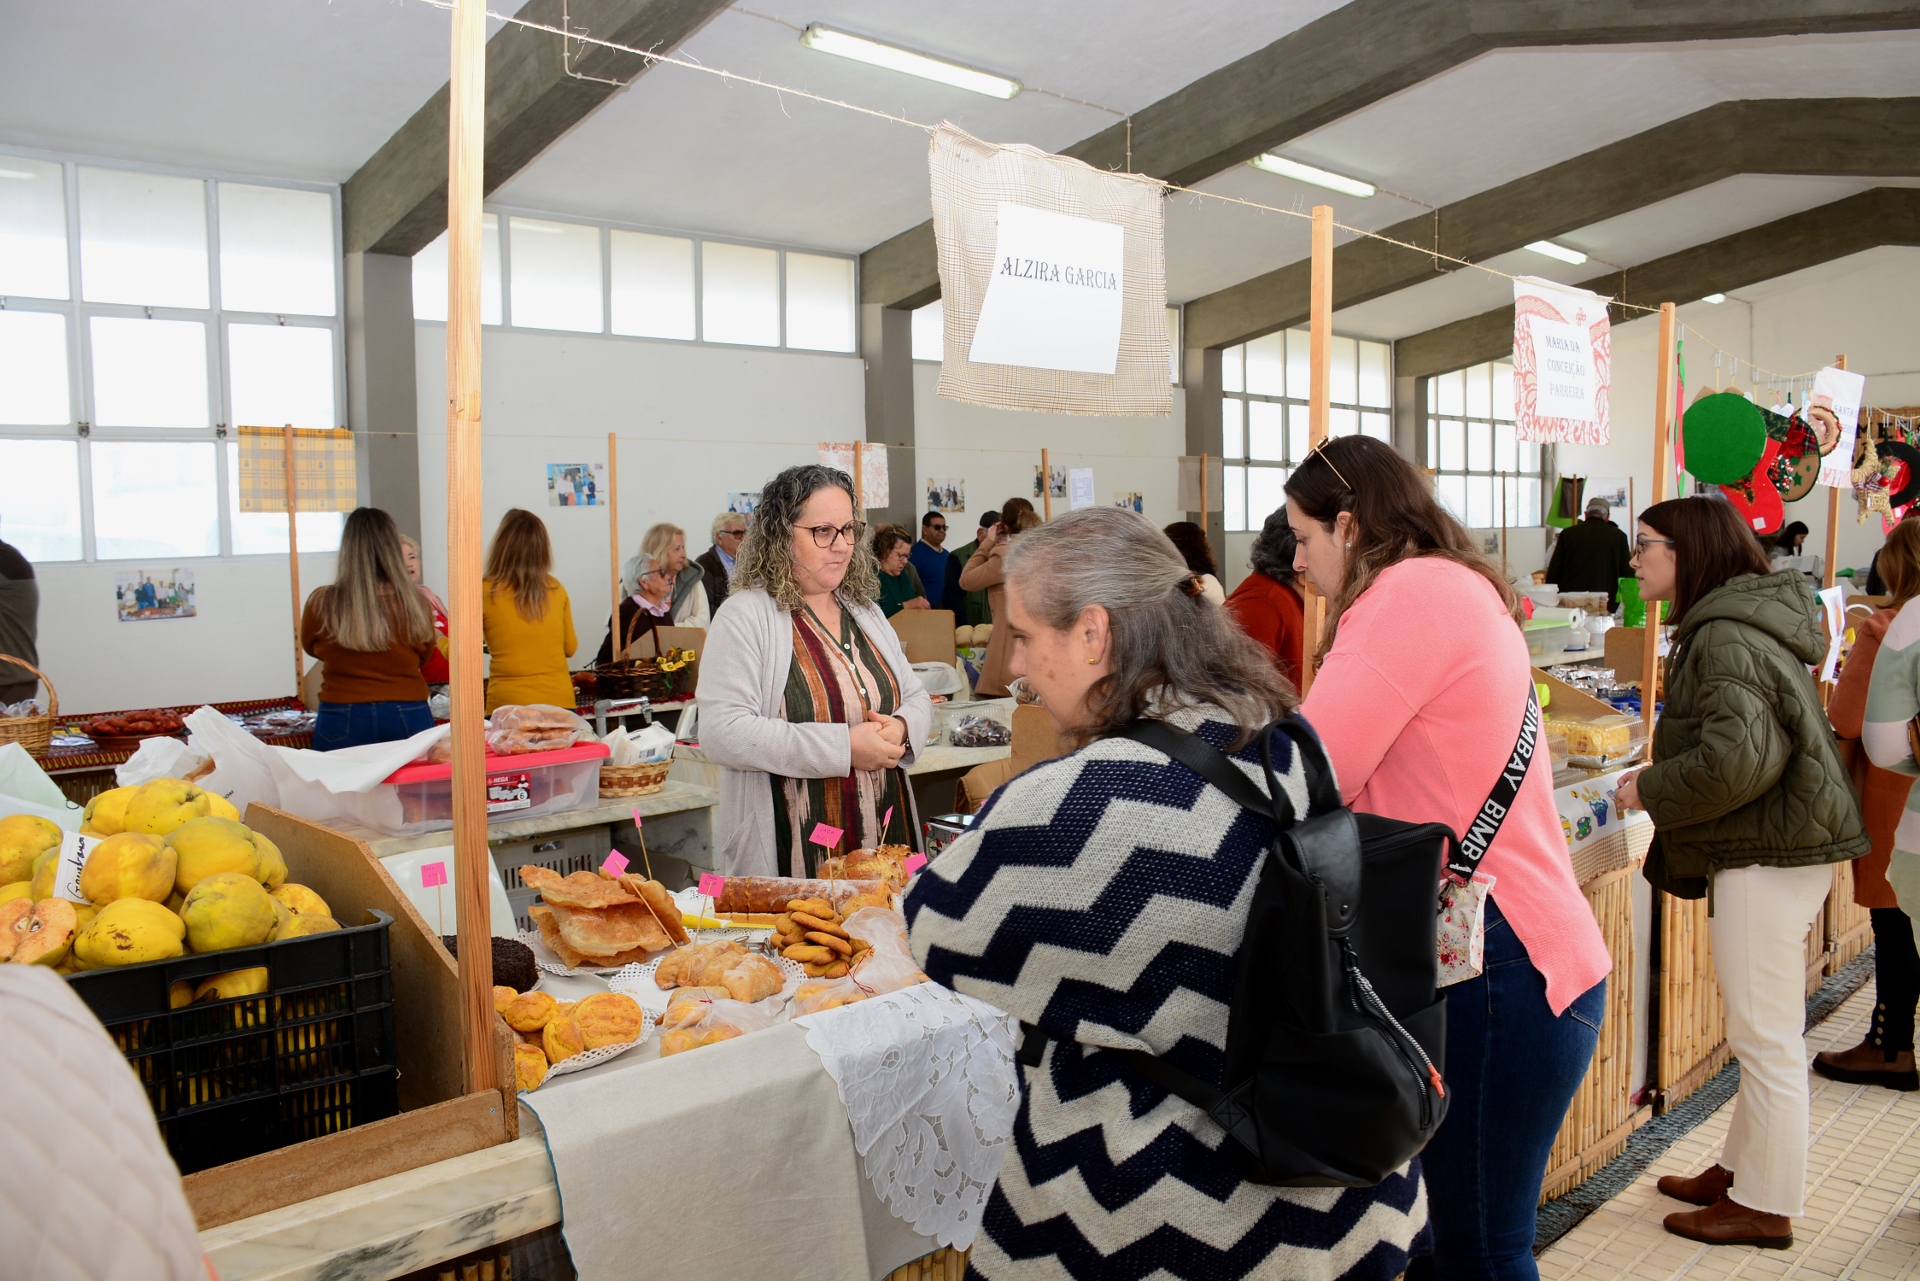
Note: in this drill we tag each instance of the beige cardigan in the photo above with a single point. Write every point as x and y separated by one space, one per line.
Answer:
743 725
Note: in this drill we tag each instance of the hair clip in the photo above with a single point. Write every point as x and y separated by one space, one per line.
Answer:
1191 585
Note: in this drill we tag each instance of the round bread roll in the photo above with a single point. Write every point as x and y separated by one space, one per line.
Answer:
608 1018
530 1011
982 633
529 1066
963 636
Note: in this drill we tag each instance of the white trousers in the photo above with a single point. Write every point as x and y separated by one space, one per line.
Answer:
1759 928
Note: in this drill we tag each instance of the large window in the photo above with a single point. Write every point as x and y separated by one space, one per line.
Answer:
1483 473
143 315
1263 414
594 279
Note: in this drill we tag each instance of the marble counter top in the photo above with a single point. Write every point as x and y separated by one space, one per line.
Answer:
674 798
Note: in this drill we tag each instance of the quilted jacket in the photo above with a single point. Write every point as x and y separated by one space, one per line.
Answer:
1745 767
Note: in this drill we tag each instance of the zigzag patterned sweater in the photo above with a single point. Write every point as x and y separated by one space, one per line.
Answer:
1102 896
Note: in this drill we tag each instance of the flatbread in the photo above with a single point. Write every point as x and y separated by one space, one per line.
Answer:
655 895
610 930
582 889
543 917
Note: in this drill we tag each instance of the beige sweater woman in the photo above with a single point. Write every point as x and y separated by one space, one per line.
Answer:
986 571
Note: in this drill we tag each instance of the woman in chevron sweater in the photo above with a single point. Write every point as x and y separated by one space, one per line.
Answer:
1101 897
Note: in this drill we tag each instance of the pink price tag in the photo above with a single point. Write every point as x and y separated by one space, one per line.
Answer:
712 884
914 863
886 821
432 875
616 863
636 818
824 835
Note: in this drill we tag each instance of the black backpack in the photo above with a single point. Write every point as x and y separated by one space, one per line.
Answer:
1337 1033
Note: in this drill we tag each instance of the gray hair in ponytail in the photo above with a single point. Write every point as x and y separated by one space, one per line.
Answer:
1168 641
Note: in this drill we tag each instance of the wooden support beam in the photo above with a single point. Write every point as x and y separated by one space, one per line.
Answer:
1319 406
1662 429
397 202
1883 216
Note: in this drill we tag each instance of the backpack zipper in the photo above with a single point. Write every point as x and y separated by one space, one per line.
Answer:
1401 1040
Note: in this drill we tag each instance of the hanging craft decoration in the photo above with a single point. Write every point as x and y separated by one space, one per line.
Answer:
1833 412
1053 279
1562 363
1755 498
1872 482
1904 482
326 478
1725 436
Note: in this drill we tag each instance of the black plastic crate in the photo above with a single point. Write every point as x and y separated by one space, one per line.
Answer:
312 1055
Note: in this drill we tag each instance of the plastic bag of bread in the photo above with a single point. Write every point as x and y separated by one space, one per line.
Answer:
713 1020
815 995
533 727
888 965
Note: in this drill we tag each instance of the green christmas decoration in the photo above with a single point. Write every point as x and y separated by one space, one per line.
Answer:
1725 435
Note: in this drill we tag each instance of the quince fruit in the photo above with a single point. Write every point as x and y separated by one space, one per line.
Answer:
227 909
209 845
44 869
24 838
179 994
19 889
37 933
299 925
273 866
106 814
298 897
130 931
130 865
164 804
233 984
220 807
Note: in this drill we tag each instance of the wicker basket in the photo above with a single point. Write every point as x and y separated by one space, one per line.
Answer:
633 780
35 733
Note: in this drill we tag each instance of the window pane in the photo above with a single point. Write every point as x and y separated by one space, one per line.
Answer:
556 275
1266 374
1376 374
1529 502
1299 433
265 533
33 370
154 499
653 286
1480 513
42 518
33 228
1479 447
1450 393
1346 371
1378 426
1479 391
1511 512
1505 456
1233 428
739 294
1233 363
1343 422
282 375
276 250
1529 456
1453 445
1234 507
143 238
1173 346
1266 431
1266 493
1452 492
1433 445
929 331
149 373
820 306
1299 363
1503 389
430 275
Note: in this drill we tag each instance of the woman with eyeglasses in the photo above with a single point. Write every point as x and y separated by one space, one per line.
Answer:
807 701
1423 696
986 572
648 606
1750 805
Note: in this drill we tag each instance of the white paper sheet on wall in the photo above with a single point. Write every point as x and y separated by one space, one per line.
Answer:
1080 488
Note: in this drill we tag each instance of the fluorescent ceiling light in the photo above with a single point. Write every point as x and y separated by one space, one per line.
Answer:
1561 252
894 58
1714 298
1307 173
14 173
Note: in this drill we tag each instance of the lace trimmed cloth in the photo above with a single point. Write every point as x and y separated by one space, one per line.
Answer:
930 1088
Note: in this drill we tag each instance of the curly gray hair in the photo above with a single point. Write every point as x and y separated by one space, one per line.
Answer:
1272 551
766 556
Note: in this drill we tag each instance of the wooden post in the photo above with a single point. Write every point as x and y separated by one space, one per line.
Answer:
293 570
466 137
1662 429
1046 486
859 481
1833 510
613 543
1319 397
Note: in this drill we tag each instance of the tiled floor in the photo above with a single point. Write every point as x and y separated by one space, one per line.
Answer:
1863 1215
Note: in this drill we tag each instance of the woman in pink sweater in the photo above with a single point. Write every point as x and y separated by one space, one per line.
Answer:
1421 690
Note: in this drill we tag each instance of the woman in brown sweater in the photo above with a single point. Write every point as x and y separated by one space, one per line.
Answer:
985 572
372 629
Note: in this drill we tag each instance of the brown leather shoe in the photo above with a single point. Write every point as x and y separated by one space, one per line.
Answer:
1704 1188
1868 1064
1727 1222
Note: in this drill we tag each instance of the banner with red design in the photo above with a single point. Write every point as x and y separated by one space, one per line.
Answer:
1562 363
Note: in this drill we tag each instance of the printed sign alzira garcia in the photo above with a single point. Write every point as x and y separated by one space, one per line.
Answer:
1054 298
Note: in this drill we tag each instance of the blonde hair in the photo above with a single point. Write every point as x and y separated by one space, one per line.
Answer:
520 559
371 590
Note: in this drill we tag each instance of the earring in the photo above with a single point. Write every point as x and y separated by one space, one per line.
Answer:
1349 546
1093 660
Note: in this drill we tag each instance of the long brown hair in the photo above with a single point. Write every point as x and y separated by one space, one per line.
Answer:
1018 515
1395 518
1710 545
520 560
372 592
1900 563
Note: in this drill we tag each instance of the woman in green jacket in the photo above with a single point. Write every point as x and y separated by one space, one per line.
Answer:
1750 804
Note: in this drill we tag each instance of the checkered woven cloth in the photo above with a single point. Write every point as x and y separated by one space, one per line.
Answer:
970 179
326 478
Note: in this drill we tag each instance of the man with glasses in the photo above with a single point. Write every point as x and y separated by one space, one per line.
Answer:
716 563
930 560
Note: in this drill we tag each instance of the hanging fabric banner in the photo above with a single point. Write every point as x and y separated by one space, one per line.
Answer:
874 489
1562 363
1833 411
1053 276
326 478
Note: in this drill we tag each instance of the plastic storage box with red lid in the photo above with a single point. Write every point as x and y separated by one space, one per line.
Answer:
419 797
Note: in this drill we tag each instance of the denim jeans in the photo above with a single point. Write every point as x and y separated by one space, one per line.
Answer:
1512 1068
351 724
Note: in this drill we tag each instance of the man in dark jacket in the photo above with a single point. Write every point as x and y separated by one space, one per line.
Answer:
716 563
19 624
1591 556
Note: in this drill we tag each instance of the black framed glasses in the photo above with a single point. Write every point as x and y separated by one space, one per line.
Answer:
827 535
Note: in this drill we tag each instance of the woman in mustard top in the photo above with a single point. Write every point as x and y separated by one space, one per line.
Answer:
526 617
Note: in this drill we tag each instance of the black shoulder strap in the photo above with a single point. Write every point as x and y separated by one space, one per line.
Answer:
1485 825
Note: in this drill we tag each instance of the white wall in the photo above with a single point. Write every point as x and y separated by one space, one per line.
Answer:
694 424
